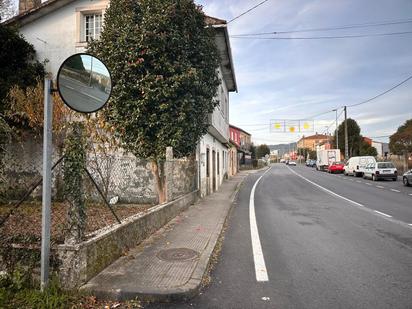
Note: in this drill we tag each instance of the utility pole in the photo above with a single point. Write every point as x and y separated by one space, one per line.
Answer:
336 134
346 135
46 194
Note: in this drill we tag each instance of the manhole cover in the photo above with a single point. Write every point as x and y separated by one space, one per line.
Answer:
177 254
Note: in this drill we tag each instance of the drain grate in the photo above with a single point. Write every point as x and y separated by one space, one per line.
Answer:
177 255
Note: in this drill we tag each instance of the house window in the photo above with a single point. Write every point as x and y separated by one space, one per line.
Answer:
92 26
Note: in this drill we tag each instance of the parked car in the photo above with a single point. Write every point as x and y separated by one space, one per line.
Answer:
292 163
287 162
380 170
336 167
311 163
407 178
356 165
282 160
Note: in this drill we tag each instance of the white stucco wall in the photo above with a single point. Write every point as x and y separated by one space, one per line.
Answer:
219 119
378 147
211 143
55 35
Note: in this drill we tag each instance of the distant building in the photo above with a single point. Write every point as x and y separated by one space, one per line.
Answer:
367 140
313 141
381 148
243 141
274 155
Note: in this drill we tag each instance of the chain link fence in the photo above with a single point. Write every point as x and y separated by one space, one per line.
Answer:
114 187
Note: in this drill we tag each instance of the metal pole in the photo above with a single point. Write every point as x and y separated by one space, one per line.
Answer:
46 196
346 136
91 71
336 131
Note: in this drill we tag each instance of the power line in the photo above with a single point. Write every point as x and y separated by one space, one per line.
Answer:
366 101
381 94
322 37
382 136
252 8
352 105
332 123
365 25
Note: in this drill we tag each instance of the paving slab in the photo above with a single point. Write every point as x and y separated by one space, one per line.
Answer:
171 264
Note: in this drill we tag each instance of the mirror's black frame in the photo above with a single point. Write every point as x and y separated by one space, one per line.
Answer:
62 97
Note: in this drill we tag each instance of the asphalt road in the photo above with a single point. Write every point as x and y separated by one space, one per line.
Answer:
80 96
327 242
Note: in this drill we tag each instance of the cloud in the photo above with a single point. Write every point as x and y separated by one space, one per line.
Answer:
297 79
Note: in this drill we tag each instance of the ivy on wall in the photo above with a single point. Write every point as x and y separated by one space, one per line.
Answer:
73 169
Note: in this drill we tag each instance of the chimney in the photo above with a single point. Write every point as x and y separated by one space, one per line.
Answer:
27 5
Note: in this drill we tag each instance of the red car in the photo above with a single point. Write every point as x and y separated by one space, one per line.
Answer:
336 167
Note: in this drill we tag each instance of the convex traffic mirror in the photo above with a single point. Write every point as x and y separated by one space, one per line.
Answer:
84 83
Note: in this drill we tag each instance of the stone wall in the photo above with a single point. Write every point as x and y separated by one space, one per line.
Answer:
128 177
184 177
81 262
23 166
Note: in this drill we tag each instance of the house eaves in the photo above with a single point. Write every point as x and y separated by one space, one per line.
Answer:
225 51
37 12
221 37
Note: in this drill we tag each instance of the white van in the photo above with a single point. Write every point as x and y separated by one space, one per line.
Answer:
356 165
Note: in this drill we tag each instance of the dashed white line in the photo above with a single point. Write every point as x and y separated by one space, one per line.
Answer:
259 260
358 181
394 190
327 190
367 183
410 194
380 187
383 214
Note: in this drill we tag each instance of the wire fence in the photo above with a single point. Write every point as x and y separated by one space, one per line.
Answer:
115 186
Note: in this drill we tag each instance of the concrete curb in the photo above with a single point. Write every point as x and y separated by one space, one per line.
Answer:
193 286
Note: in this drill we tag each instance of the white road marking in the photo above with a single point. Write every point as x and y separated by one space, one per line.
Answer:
380 187
327 190
383 214
66 86
410 194
367 183
260 266
410 224
358 181
90 96
394 190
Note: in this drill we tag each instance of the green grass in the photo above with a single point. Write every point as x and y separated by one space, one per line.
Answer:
18 291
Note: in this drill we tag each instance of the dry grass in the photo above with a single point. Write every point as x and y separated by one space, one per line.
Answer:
25 222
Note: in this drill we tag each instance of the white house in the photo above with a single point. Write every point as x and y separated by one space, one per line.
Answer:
60 28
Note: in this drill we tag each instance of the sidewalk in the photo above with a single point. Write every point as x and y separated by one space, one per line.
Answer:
170 264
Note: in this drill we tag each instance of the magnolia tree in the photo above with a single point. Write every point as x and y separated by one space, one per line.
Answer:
163 62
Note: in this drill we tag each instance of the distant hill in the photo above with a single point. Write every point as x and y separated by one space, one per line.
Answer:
283 148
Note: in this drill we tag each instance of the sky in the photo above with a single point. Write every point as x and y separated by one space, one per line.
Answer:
296 79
